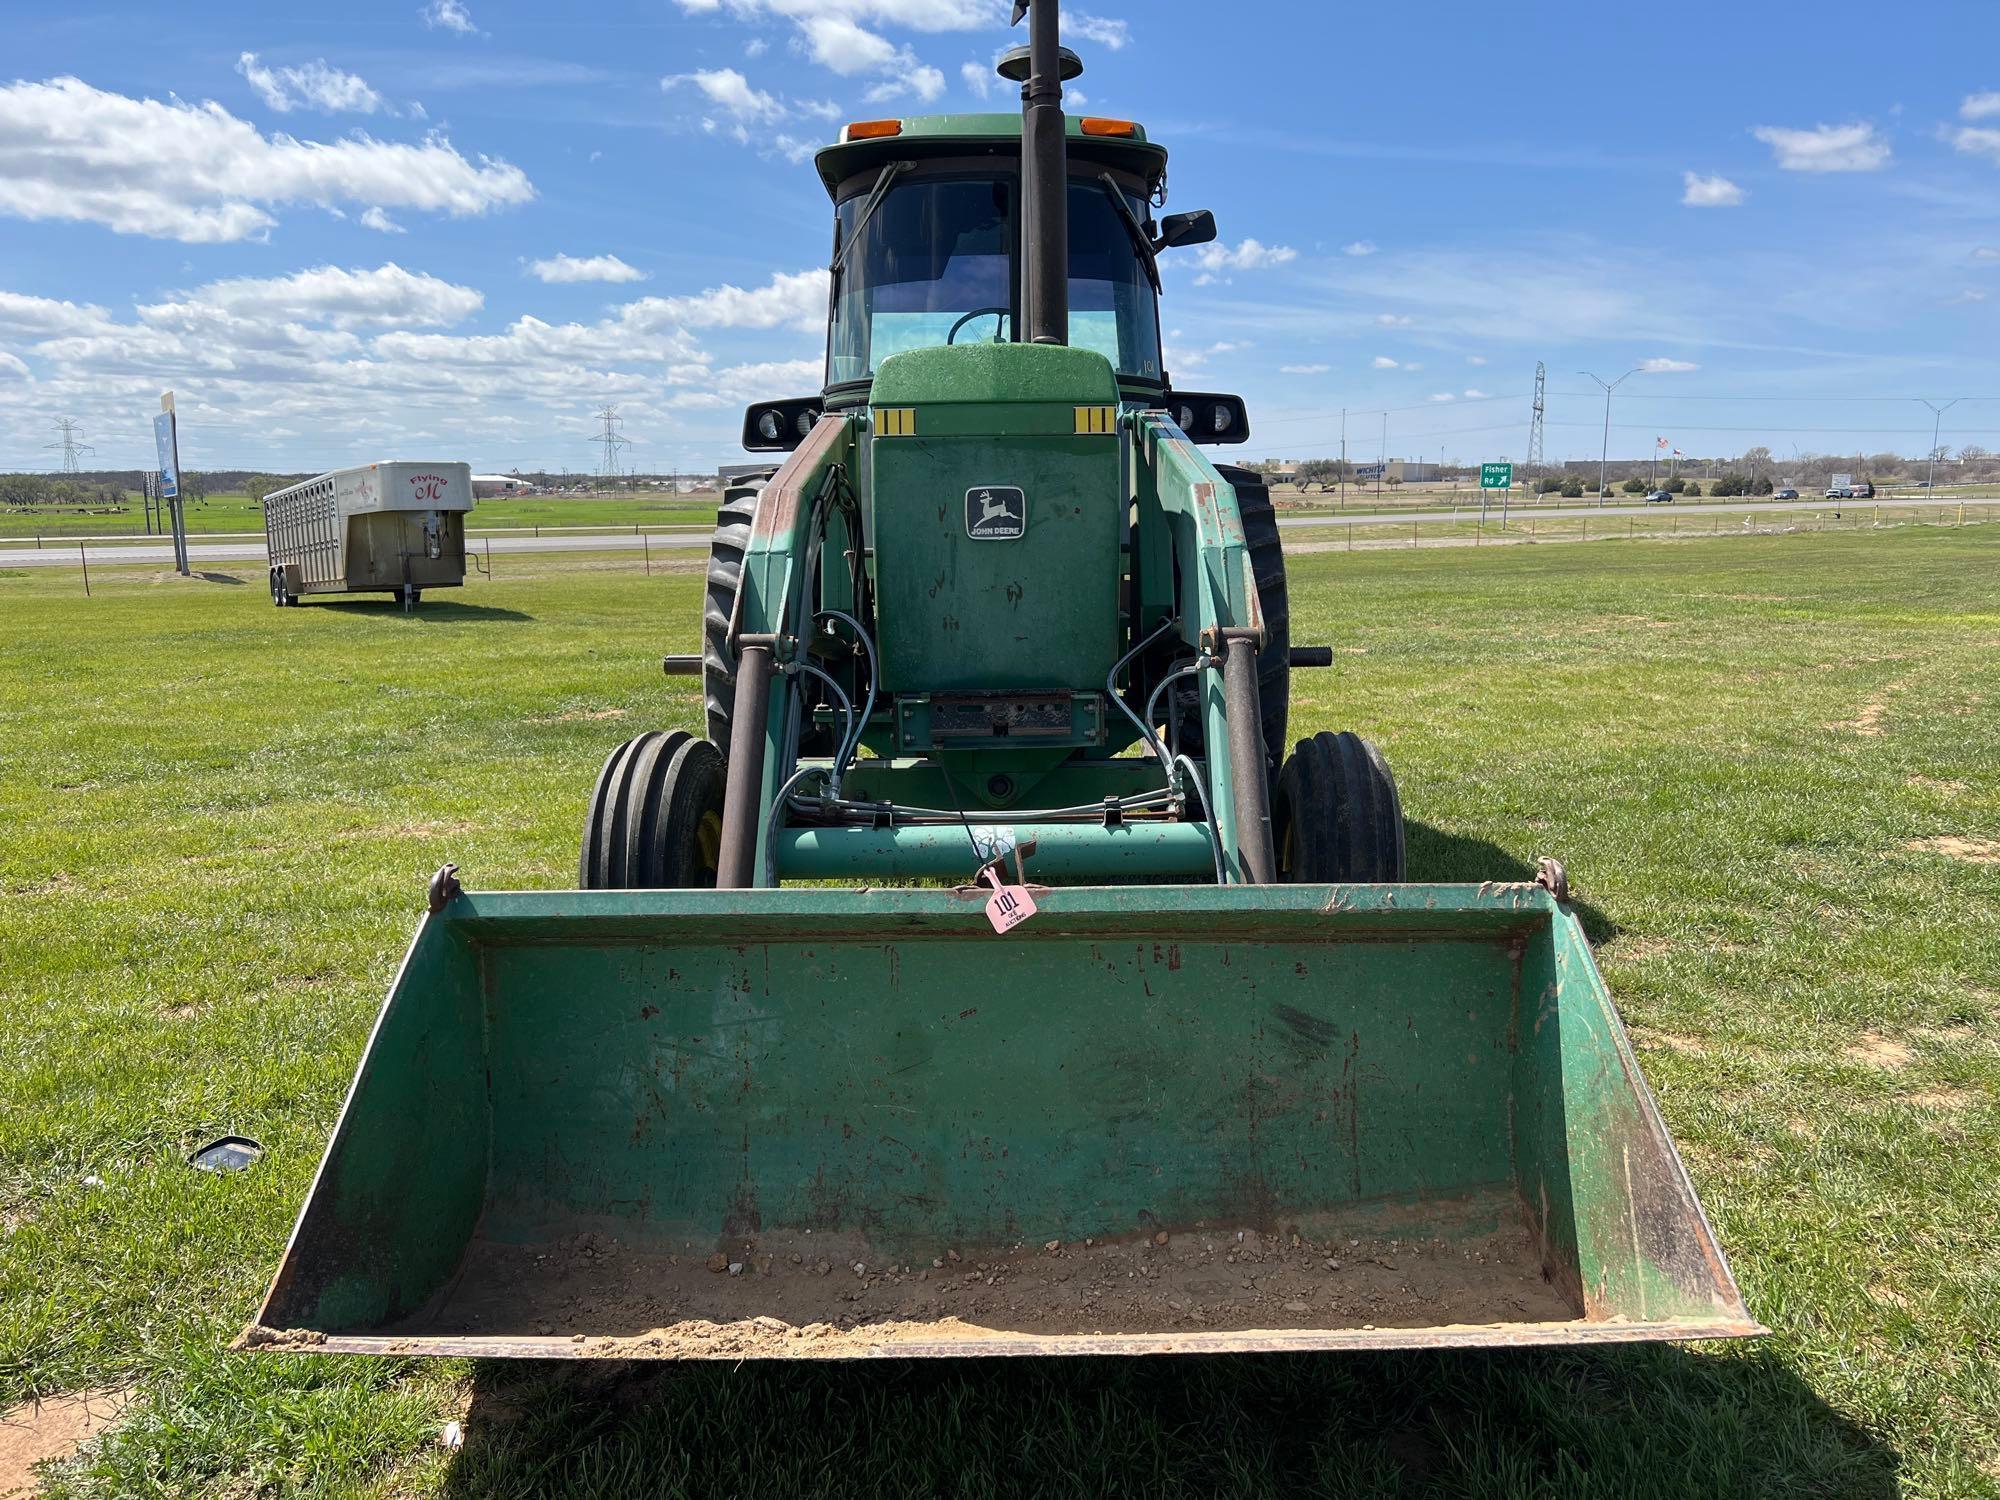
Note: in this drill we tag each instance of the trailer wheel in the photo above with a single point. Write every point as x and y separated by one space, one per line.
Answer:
1336 819
1274 660
655 819
280 595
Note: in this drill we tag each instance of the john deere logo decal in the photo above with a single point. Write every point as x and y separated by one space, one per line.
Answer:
996 513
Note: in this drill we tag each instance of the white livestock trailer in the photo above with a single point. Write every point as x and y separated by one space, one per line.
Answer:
386 527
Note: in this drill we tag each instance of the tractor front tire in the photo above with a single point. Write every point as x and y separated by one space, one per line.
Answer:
1336 819
655 819
725 577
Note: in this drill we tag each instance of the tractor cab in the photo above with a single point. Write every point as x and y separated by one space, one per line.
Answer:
927 253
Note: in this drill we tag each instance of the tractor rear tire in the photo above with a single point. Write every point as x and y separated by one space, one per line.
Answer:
1336 818
655 819
725 577
1274 658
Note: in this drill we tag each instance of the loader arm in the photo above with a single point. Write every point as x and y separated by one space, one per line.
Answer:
1180 491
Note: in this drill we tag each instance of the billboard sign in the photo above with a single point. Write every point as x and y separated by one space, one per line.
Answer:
170 469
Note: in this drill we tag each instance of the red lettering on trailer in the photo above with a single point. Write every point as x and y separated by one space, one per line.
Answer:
427 486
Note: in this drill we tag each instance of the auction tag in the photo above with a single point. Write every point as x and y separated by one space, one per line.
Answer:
1009 905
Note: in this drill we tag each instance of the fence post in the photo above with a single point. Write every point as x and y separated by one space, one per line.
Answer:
85 558
1413 536
647 541
1350 536
1586 528
489 559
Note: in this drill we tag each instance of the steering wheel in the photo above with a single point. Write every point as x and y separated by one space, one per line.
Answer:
979 312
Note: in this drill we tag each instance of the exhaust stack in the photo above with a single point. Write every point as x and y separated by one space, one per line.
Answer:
1041 69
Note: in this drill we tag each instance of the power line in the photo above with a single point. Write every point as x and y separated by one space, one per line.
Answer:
611 440
72 449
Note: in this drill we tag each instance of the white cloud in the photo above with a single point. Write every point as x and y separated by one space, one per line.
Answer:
1968 295
840 44
451 15
918 15
1383 362
1103 30
387 295
1987 252
381 223
1251 255
1475 359
1473 393
195 172
1411 364
1303 369
924 81
1853 147
1709 192
756 47
1394 320
789 299
1665 366
1443 396
11 364
560 267
730 92
23 316
313 86
1976 140
1359 247
769 378
1980 106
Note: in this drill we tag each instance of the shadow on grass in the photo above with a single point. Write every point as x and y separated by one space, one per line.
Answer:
1633 1421
1435 854
218 578
433 611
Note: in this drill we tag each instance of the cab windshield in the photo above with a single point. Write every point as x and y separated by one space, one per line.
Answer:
935 264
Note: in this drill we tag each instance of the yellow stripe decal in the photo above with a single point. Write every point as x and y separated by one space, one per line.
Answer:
895 421
1096 420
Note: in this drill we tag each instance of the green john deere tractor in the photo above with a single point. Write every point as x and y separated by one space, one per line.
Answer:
991 979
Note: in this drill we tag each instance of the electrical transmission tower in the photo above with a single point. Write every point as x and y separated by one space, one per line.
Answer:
71 448
1534 463
612 440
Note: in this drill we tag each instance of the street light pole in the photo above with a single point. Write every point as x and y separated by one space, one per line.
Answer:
1606 448
1937 421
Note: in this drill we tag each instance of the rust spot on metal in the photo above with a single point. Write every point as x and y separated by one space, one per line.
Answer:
778 505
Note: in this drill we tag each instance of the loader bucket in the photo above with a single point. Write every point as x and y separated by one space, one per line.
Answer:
817 1123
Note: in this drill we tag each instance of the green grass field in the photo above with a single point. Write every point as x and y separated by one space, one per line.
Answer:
239 513
1772 764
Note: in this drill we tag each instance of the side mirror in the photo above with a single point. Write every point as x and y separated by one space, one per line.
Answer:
1207 418
1196 228
779 426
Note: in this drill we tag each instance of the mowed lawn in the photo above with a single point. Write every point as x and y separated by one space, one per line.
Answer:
1772 765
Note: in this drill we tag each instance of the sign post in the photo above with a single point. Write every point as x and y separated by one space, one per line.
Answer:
1495 477
166 442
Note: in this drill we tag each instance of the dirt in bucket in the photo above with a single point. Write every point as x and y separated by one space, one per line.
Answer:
770 1294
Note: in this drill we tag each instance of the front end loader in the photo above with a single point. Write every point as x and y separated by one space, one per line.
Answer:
990 979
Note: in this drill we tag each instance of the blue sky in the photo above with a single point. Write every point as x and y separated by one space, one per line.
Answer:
385 230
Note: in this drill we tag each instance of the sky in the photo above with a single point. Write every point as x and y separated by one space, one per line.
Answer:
457 228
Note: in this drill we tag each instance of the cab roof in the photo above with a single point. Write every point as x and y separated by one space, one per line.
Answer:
927 137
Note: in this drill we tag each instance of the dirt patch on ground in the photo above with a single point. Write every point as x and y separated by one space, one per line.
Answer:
578 716
1879 1051
1631 947
773 1294
1650 1040
1932 784
422 830
1868 722
1972 851
35 1432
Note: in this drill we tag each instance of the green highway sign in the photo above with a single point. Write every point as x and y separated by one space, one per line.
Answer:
1496 476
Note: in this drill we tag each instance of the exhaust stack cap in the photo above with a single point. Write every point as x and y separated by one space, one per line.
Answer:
1013 65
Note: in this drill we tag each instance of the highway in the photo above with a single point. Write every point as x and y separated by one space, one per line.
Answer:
58 553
